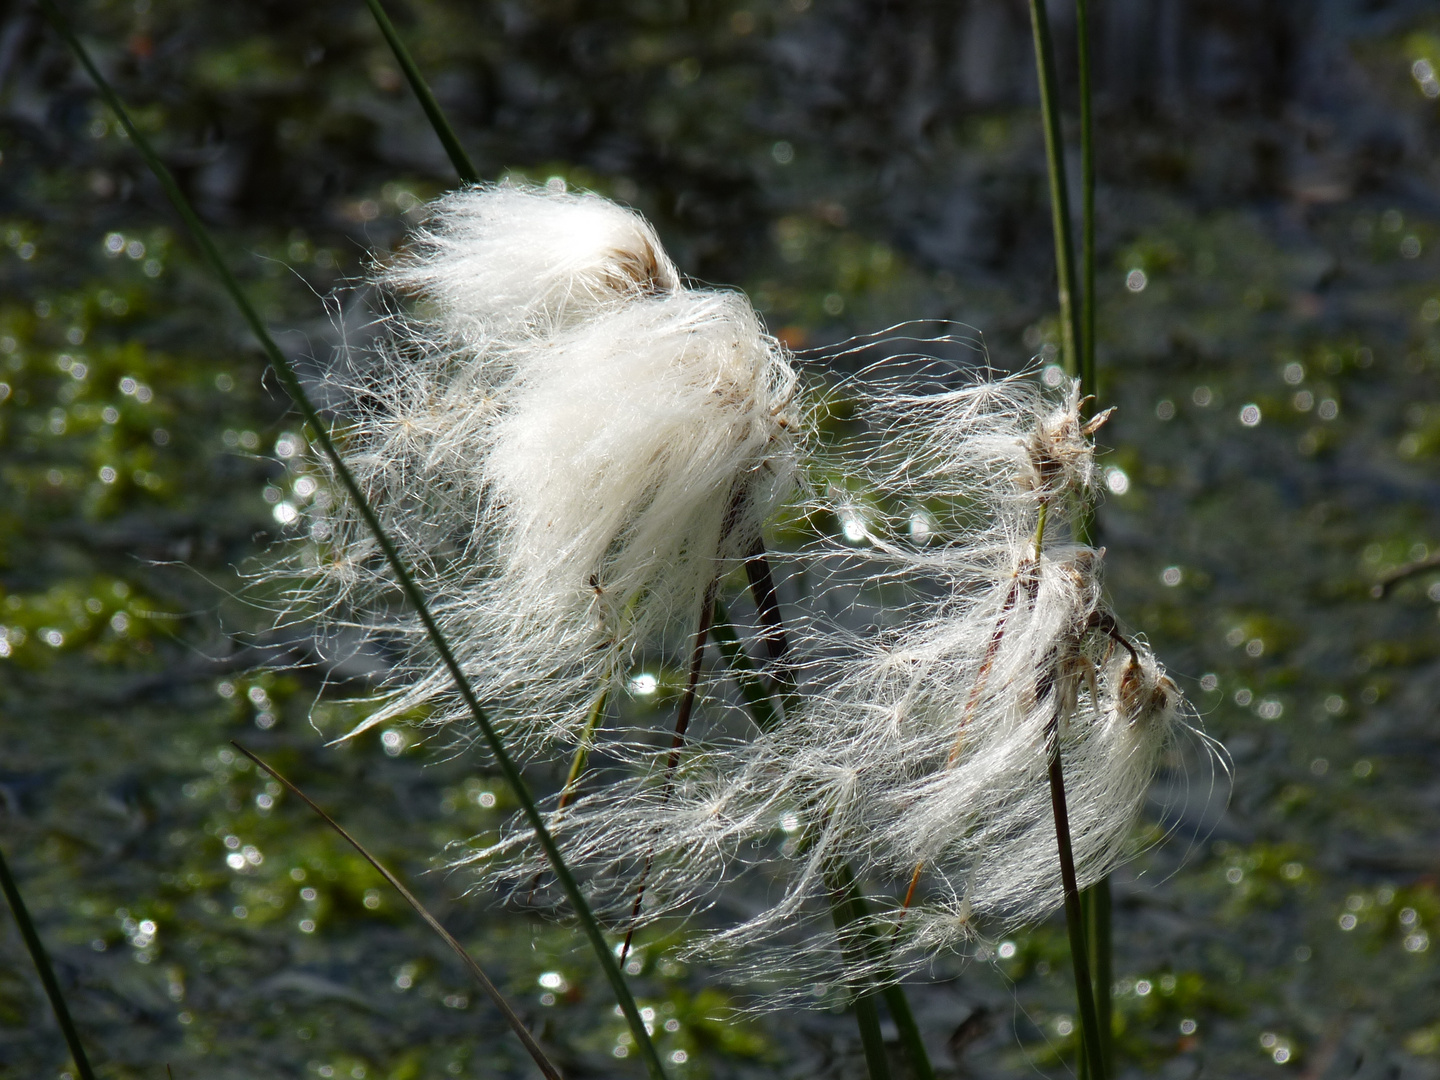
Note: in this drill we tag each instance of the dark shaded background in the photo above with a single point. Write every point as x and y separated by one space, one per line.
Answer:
1268 169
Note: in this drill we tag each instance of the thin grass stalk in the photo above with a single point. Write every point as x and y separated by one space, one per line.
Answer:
1388 581
1087 919
899 1005
1099 926
1087 202
41 960
1059 195
1097 896
843 910
1072 339
851 902
582 750
1093 1064
320 435
777 643
767 603
737 660
448 139
578 761
892 992
1085 369
677 744
491 991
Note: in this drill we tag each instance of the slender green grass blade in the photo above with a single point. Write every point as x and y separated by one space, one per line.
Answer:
1087 919
844 912
46 971
1090 1041
867 1017
1097 897
899 1006
1103 954
1059 195
737 660
1073 339
581 756
891 991
320 436
777 642
448 139
1087 202
847 904
491 990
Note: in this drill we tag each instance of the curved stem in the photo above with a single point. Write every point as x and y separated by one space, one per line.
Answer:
448 139
1087 203
1090 1043
1403 573
845 912
752 689
491 991
1059 193
47 973
589 925
677 743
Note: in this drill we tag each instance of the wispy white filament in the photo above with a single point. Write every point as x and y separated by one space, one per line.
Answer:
570 447
504 261
567 443
921 753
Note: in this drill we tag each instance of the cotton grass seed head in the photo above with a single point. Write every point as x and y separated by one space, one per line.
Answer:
1061 454
500 261
567 445
920 754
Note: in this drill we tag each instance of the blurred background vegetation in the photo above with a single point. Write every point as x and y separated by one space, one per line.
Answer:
1269 328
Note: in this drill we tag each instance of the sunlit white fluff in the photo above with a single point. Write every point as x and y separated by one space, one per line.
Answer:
923 746
947 721
503 261
924 757
567 445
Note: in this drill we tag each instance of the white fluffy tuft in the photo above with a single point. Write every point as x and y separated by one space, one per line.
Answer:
921 752
566 444
571 448
501 260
